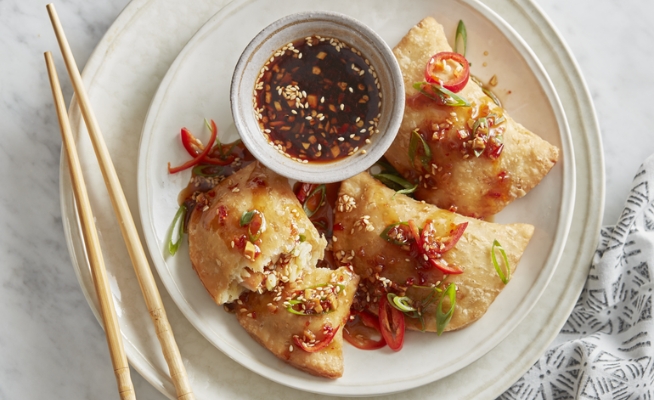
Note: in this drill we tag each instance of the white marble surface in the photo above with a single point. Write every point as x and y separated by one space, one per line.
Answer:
50 344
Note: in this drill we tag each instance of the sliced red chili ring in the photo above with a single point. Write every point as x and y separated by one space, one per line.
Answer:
391 322
416 233
315 200
319 345
446 268
449 70
192 144
219 161
302 190
199 157
360 329
455 235
398 233
425 246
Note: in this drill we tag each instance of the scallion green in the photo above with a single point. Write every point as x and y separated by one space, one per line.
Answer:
461 38
441 95
414 142
176 227
504 276
443 318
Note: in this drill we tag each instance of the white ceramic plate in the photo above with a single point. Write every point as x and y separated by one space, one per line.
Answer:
122 76
197 87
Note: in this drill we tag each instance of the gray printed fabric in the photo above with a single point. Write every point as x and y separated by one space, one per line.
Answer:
604 350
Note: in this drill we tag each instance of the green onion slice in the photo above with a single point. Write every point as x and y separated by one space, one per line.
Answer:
492 95
231 148
403 303
443 318
320 224
497 120
386 167
416 139
384 234
177 226
247 216
303 238
486 90
292 310
505 277
217 141
255 222
408 190
397 183
480 124
461 39
431 297
480 129
443 96
294 302
207 170
322 191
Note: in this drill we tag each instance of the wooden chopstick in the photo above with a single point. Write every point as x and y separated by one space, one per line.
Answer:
126 222
92 243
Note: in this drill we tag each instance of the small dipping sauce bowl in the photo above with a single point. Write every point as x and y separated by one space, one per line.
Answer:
317 97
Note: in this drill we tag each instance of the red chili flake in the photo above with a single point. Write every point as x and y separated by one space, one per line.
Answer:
257 182
239 243
496 151
222 215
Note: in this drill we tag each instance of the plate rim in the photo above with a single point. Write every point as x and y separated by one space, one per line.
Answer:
92 68
185 303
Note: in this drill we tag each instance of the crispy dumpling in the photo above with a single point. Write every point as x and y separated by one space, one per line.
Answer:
225 258
476 172
365 207
266 318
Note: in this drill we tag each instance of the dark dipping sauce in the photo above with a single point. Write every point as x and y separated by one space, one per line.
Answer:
318 100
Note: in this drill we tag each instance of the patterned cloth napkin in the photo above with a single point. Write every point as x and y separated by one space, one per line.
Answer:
604 350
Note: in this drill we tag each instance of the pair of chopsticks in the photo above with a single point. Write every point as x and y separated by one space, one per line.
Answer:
128 229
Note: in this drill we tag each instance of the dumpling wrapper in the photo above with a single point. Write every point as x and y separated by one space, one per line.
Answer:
359 243
476 186
270 324
216 239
